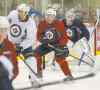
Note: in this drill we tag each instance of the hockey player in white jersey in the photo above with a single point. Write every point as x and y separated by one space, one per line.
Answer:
23 32
23 28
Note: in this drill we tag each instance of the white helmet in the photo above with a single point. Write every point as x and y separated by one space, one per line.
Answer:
51 11
4 23
23 7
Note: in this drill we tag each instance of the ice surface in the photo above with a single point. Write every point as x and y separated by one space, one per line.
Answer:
84 84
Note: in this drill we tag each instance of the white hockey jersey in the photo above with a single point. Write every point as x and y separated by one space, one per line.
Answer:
22 33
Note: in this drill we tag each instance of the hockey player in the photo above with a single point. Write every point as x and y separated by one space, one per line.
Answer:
51 33
8 62
74 27
23 34
77 31
22 30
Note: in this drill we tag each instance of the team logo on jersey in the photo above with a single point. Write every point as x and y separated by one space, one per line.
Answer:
69 33
49 35
15 30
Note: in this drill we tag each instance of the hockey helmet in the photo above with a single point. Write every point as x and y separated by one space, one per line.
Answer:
24 8
51 11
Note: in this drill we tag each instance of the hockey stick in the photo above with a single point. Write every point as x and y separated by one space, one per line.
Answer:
70 55
81 60
94 30
35 74
89 75
95 26
43 61
22 58
97 21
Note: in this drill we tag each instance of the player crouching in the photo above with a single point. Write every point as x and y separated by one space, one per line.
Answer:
52 35
78 33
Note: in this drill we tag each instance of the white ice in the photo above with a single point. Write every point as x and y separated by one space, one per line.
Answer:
92 83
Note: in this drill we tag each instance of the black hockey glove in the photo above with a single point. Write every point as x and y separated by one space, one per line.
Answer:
19 49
